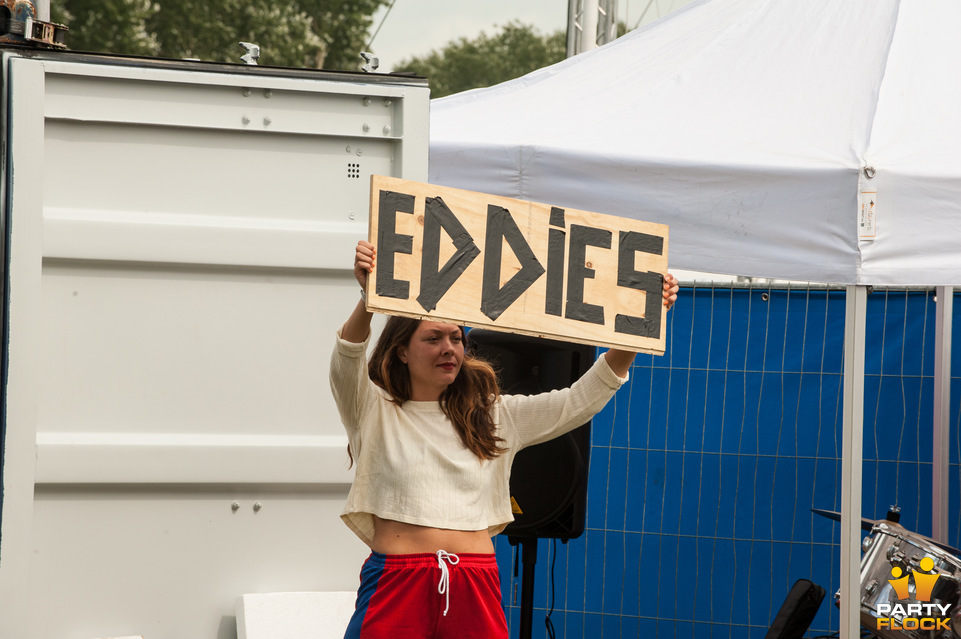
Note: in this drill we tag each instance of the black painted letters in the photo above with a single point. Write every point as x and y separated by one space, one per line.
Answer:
433 282
568 266
389 242
556 240
629 243
494 298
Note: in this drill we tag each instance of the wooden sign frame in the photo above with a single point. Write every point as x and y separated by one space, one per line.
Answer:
483 260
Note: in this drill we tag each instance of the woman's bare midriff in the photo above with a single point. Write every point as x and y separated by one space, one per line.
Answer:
397 538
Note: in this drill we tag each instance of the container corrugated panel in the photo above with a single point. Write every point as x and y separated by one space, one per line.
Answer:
179 244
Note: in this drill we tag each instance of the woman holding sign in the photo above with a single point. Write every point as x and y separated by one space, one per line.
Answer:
433 440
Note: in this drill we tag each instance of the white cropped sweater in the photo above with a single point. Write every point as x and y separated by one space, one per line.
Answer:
411 465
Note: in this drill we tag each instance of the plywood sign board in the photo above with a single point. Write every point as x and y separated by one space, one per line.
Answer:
483 260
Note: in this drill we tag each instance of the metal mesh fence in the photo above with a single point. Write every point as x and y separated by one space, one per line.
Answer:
705 467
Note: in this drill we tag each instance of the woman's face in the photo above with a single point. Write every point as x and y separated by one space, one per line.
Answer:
433 357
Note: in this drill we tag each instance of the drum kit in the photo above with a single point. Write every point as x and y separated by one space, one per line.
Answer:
910 584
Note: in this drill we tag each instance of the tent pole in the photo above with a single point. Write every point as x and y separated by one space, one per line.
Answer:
851 458
941 451
582 20
589 20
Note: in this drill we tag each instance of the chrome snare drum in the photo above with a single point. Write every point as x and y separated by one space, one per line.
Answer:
910 585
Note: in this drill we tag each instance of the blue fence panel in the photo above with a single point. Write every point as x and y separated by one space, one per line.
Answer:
705 467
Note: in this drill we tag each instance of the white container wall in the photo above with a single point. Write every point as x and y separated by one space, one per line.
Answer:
179 239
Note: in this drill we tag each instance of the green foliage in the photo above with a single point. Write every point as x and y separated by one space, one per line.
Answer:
344 28
487 60
326 34
117 26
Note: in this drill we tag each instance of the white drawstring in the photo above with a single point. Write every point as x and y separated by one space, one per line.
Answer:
444 586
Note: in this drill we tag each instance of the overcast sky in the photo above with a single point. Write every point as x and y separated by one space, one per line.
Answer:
415 27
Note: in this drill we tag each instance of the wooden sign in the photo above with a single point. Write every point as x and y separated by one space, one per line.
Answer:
483 260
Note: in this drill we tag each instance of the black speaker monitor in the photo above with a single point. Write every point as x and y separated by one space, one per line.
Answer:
548 481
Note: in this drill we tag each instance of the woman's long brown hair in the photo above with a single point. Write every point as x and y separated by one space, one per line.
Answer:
467 402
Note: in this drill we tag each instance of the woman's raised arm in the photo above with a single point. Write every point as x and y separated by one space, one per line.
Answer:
357 327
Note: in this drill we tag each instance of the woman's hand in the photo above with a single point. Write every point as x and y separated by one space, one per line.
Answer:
364 256
670 290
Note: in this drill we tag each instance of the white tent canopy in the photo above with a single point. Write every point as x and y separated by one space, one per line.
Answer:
751 127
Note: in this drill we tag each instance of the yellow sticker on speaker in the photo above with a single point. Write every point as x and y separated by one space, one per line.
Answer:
515 507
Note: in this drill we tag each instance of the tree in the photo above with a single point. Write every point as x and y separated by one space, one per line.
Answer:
116 26
304 33
487 60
